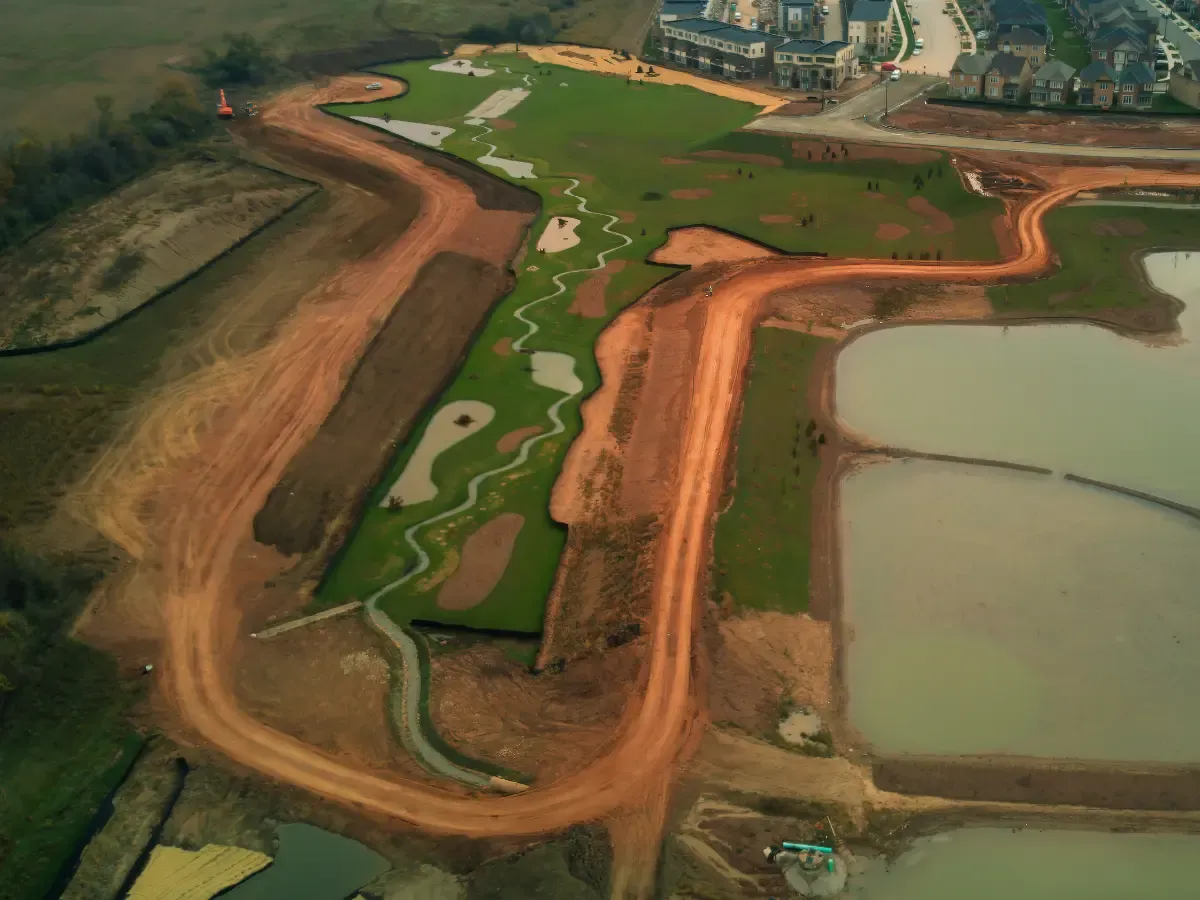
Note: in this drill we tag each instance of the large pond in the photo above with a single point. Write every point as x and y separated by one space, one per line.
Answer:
992 611
312 864
1000 864
1073 398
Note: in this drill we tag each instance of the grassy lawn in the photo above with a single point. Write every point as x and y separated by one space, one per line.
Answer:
907 25
585 128
1072 50
762 542
1097 269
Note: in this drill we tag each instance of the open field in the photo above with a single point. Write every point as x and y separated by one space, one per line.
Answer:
685 168
101 264
762 541
1098 246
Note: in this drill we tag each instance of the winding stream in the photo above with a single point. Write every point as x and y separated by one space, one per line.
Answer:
410 726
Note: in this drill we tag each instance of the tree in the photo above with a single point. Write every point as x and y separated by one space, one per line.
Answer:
245 61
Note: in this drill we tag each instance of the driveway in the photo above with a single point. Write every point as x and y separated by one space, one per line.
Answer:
834 26
940 36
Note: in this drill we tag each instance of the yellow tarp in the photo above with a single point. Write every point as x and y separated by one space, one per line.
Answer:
175 874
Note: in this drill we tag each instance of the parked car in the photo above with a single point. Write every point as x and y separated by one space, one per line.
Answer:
895 76
920 42
917 52
375 86
753 22
737 17
824 9
916 21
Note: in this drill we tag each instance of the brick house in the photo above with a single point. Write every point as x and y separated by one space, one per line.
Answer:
1184 85
1024 42
1097 85
719 49
1052 84
815 65
1007 77
1120 46
869 27
1135 87
966 75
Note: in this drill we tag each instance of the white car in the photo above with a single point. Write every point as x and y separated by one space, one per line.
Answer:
375 86
824 9
919 43
917 52
895 76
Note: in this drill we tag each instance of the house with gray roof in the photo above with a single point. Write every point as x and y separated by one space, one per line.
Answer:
815 65
1184 84
869 27
1008 77
715 48
1025 42
1097 84
1052 84
798 18
1135 87
674 10
1120 45
966 75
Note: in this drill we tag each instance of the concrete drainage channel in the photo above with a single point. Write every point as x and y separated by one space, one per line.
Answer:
406 710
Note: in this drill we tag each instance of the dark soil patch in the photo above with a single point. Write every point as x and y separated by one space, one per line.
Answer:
1119 227
502 124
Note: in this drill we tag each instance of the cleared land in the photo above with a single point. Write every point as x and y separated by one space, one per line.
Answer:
580 132
103 263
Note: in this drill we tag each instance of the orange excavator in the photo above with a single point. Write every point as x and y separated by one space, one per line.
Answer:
224 110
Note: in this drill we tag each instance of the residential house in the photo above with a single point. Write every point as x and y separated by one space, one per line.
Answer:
815 65
1097 85
798 18
1052 84
1135 86
869 27
1119 47
966 75
673 10
1024 42
719 49
1184 84
1007 77
1009 15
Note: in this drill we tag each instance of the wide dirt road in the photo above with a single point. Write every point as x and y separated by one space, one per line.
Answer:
204 513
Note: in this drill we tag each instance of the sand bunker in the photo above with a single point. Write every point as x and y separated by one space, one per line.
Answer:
514 168
758 158
691 193
485 556
451 424
697 245
890 231
172 873
559 234
417 132
799 725
499 103
776 219
1119 227
515 438
460 67
557 371
939 222
589 296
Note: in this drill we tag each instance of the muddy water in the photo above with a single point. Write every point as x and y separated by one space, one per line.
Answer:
1073 398
991 611
999 864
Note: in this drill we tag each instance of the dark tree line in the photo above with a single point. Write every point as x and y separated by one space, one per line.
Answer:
38 181
246 61
534 29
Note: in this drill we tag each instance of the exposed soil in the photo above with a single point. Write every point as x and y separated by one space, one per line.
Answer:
776 219
890 231
939 222
589 296
503 347
691 193
626 217
1005 240
720 176
1107 131
675 161
405 366
1119 227
698 246
760 159
511 441
874 195
485 555
502 124
820 151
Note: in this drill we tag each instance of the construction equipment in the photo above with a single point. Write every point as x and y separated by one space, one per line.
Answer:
250 109
224 110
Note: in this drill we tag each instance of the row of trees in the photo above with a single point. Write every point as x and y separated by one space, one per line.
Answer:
38 181
534 29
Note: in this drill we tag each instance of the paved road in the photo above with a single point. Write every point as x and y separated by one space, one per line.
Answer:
856 120
1171 26
940 36
834 26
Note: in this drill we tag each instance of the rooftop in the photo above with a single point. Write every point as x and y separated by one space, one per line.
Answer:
973 63
1022 36
870 11
820 48
1136 73
1007 64
1094 71
1055 70
722 32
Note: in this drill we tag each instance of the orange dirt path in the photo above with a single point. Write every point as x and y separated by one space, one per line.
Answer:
297 382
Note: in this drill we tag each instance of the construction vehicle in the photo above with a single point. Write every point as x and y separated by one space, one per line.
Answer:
249 109
224 110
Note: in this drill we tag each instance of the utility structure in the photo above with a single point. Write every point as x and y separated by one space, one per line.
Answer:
224 110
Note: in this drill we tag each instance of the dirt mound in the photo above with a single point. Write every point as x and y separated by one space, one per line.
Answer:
502 124
691 193
589 296
776 219
890 231
514 439
939 222
484 558
1119 227
503 347
697 246
815 151
760 159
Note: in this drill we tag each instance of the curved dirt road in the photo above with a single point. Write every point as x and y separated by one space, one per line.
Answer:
295 382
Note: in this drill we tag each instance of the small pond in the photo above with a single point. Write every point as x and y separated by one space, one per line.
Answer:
312 864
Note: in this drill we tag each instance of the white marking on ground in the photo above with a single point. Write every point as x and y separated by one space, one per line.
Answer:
306 620
556 371
417 132
415 484
499 103
513 167
559 234
461 67
475 122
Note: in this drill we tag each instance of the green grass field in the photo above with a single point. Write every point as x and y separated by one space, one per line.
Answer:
762 541
1098 271
580 124
1071 50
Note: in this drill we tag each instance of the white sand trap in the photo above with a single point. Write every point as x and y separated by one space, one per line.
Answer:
499 103
417 132
799 725
513 167
460 67
556 371
476 122
415 484
559 234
